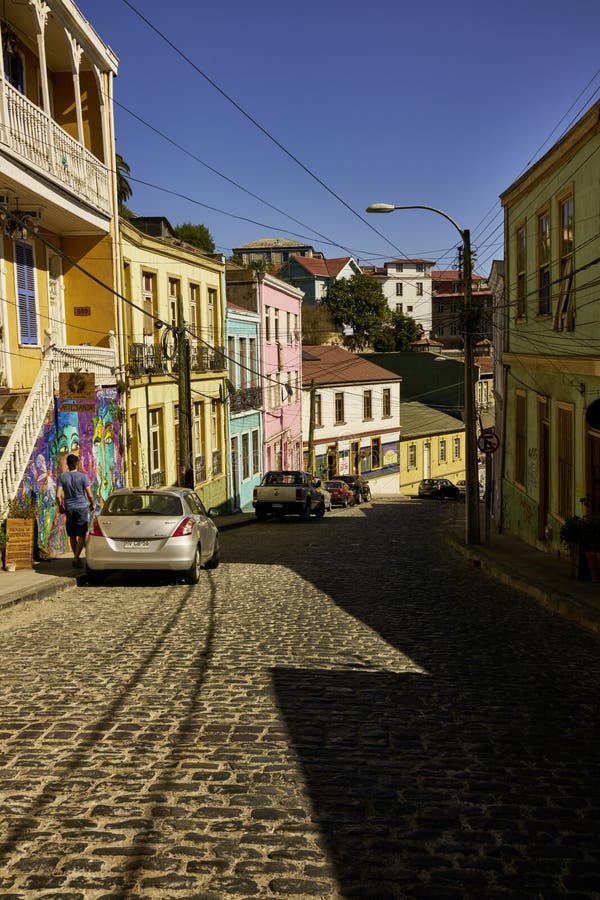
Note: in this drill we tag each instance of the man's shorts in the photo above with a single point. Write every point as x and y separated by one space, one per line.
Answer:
77 522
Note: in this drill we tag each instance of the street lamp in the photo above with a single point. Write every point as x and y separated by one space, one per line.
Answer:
472 533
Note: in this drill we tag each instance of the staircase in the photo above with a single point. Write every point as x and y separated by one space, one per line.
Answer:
22 416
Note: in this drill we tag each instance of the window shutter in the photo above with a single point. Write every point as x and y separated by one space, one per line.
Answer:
26 302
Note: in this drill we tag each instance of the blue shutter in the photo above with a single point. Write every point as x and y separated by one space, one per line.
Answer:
26 302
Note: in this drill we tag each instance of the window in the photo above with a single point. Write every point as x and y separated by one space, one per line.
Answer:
199 442
255 452
267 323
386 403
252 363
231 361
173 292
289 336
543 256
412 456
565 313
409 309
440 307
399 267
564 441
456 448
194 301
339 409
442 450
367 405
420 267
276 324
453 329
157 474
13 61
419 289
399 289
243 364
375 453
26 295
215 433
212 302
245 455
520 470
521 272
399 307
318 411
149 302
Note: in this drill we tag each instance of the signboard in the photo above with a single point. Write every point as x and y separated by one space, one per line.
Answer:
488 441
19 547
77 386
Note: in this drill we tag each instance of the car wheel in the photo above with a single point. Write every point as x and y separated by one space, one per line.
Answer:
215 559
305 511
320 510
368 494
192 576
261 514
357 498
345 504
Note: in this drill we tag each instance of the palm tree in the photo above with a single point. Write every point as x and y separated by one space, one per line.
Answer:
124 190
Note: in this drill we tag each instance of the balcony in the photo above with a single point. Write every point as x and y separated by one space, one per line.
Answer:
207 359
146 359
36 139
244 399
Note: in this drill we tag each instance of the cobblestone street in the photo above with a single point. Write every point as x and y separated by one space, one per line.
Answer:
343 709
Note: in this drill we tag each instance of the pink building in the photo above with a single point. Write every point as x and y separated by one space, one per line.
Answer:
280 306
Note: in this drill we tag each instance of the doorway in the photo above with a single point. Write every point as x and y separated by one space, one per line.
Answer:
544 466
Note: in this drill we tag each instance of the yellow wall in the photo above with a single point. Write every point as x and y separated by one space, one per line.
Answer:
82 292
451 468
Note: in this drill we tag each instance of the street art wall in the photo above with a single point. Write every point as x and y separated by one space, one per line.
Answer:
92 431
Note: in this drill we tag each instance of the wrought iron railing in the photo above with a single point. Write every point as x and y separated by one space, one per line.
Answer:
207 359
158 479
243 399
200 468
217 462
146 359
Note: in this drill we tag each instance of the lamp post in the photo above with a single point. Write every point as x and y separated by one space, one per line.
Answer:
472 533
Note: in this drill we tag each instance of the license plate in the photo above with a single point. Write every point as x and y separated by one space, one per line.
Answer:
277 505
135 545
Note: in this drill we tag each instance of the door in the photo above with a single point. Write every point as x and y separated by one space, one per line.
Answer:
594 473
235 474
332 460
55 299
134 452
543 467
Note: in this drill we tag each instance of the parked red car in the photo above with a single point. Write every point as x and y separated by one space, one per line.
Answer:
341 493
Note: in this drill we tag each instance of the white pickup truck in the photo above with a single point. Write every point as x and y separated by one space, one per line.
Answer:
284 492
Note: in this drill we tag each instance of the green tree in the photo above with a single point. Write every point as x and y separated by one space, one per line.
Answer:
197 235
124 189
359 304
398 333
317 324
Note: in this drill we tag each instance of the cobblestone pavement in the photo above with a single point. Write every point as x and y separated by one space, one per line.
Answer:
344 709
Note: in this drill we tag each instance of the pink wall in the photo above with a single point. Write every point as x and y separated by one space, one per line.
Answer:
282 423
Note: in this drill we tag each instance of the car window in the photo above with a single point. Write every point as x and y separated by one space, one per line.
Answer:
143 504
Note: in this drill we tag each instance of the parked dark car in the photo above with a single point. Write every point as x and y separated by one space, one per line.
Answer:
359 485
341 493
439 489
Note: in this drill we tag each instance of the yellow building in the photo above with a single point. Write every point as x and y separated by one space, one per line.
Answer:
432 445
59 269
157 270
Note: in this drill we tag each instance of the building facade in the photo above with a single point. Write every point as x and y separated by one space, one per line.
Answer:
448 303
351 417
314 276
432 446
551 359
274 251
406 284
160 277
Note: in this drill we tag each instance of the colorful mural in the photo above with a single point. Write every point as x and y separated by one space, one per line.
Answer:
93 434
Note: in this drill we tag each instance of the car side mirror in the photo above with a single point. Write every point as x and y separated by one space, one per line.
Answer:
212 512
317 482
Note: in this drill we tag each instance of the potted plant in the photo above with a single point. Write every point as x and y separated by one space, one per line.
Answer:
3 539
582 535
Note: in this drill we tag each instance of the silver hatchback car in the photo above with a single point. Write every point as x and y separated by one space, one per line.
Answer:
153 529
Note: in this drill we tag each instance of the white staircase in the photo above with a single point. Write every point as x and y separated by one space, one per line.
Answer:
21 444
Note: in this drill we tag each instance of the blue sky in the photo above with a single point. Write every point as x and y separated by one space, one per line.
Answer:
442 104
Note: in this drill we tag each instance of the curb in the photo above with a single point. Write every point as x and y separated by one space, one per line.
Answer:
557 601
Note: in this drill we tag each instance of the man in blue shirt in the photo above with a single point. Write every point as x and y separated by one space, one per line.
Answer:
74 494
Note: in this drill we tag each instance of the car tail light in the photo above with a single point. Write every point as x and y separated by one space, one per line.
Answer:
95 528
185 527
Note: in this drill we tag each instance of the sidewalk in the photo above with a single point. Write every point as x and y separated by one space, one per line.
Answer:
542 576
49 577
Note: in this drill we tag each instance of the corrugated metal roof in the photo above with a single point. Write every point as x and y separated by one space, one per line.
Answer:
329 364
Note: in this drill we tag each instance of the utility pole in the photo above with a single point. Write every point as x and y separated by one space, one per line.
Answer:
472 535
311 427
186 474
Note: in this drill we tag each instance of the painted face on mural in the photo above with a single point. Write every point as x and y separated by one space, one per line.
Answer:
104 453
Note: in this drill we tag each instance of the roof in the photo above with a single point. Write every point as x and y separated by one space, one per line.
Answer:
326 268
419 420
452 275
329 364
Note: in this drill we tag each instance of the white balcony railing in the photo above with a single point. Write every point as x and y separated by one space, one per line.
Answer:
36 138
